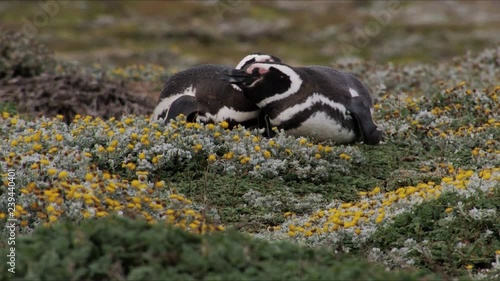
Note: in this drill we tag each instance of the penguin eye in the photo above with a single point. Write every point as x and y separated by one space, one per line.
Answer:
282 76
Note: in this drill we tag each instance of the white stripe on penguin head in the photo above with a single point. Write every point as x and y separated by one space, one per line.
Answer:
256 58
295 82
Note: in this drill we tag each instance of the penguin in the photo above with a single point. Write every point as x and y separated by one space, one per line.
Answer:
314 100
200 95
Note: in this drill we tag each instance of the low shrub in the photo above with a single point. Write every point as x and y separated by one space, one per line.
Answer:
117 249
21 56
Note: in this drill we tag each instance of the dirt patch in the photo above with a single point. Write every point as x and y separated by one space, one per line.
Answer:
69 95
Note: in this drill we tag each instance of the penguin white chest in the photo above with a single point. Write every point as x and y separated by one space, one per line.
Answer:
323 127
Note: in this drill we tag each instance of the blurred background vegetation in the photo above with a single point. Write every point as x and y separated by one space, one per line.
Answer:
178 34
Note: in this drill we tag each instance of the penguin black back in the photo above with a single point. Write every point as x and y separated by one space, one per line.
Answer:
214 100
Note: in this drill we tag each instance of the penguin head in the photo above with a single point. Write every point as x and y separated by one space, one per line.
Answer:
260 81
256 57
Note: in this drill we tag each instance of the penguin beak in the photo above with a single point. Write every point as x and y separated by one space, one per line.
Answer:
238 77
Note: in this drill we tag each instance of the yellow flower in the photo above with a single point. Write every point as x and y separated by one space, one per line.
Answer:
211 158
114 143
302 141
198 147
224 124
51 171
86 215
37 147
154 160
344 156
13 121
449 210
469 267
228 155
110 188
236 138
210 126
266 153
50 209
142 156
159 184
379 218
447 179
257 148
89 177
485 174
317 156
131 166
62 175
135 183
245 160
128 121
101 214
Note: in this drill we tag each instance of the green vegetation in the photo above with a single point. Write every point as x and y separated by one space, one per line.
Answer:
103 194
116 249
447 234
180 33
20 56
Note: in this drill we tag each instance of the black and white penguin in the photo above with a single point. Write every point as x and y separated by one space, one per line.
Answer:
200 94
314 100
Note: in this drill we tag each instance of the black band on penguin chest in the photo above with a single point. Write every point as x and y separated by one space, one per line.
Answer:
296 121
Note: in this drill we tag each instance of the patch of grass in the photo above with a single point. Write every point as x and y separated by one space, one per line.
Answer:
450 232
8 107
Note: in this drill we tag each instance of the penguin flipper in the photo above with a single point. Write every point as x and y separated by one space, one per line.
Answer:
186 105
371 134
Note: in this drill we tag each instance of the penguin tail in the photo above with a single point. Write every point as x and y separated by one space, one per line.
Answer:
371 134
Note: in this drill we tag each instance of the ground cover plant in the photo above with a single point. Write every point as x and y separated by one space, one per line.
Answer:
118 249
423 204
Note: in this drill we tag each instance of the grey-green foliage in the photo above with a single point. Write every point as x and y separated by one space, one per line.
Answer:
23 56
